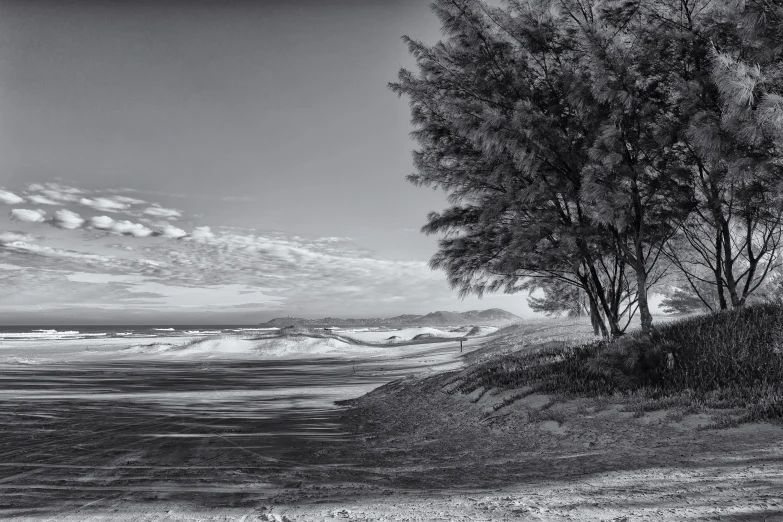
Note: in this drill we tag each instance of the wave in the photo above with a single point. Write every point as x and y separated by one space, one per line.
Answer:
49 335
121 332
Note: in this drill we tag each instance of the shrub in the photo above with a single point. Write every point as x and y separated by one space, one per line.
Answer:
710 358
736 348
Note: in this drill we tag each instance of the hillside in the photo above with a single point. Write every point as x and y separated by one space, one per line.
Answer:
490 316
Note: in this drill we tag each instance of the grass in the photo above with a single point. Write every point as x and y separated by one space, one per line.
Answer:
719 361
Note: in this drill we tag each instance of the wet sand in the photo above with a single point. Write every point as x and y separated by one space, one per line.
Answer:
106 439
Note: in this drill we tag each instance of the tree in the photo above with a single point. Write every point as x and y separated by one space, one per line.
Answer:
504 119
561 298
596 145
729 143
558 298
635 185
688 299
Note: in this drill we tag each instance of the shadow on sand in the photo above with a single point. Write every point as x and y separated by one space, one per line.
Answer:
237 434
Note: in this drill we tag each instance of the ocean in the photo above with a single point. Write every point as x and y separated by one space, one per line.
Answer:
50 332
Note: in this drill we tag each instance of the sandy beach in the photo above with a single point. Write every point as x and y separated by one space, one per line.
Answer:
217 435
97 428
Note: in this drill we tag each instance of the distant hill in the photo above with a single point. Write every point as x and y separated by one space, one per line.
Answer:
473 317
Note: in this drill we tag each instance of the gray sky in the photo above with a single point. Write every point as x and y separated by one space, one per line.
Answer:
268 122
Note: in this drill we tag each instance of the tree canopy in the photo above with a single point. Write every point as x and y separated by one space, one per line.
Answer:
596 144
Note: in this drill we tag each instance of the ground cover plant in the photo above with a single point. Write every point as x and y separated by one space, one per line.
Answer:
733 359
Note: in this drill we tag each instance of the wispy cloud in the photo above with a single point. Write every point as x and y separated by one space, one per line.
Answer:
105 204
38 199
54 192
208 266
9 198
157 211
12 237
129 200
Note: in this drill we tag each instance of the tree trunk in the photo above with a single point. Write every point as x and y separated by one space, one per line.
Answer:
614 321
614 326
644 307
719 272
599 327
728 265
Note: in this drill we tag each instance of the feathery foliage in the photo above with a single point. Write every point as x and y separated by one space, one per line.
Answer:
601 145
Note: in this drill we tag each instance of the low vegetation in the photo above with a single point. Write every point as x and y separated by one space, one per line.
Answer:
732 359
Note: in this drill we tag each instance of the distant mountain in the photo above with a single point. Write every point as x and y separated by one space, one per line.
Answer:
491 316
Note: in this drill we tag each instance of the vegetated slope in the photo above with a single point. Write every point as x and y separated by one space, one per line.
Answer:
731 359
557 412
440 318
724 370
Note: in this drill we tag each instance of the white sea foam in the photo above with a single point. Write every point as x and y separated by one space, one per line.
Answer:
42 334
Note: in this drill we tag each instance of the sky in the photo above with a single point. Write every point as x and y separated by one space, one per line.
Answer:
220 162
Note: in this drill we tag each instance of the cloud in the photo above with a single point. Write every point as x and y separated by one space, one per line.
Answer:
170 231
90 277
162 212
28 216
125 228
201 234
53 193
107 204
12 237
101 222
10 198
326 273
212 265
130 201
66 219
42 250
43 259
333 239
128 228
41 200
316 271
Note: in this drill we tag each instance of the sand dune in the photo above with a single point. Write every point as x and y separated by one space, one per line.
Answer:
405 334
238 347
